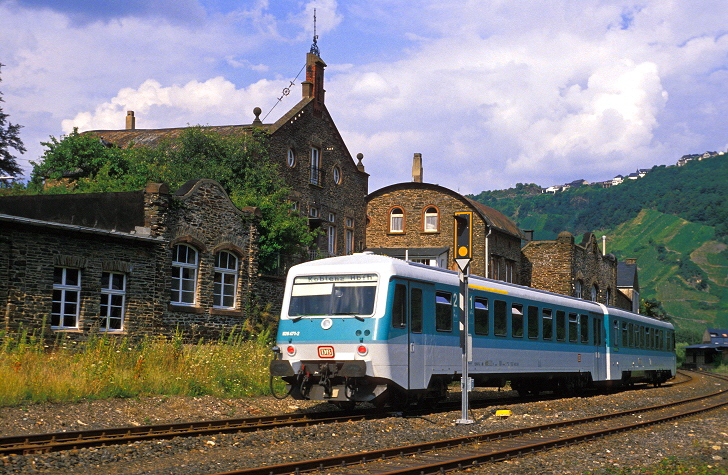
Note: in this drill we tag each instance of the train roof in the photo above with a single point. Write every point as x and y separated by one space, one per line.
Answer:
385 265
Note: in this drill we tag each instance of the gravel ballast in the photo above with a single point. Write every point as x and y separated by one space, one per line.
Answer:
702 439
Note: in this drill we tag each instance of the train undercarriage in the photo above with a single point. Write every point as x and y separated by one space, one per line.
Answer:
345 384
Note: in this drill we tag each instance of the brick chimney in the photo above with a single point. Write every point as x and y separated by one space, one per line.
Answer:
130 120
313 86
417 168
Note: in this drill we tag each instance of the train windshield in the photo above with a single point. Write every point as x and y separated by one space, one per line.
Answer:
315 295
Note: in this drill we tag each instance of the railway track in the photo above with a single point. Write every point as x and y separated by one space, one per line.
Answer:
463 453
44 443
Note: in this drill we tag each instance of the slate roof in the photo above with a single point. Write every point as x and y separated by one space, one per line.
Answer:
627 276
119 211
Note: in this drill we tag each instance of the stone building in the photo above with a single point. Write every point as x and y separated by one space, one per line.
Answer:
415 220
567 268
129 263
327 185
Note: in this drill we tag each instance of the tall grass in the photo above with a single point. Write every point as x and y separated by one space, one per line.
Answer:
110 367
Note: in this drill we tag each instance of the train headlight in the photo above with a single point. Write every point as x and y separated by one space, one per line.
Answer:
291 350
362 350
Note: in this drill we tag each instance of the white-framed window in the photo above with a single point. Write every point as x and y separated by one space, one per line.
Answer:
313 212
332 217
396 220
331 232
594 292
226 280
113 297
184 274
291 159
337 175
431 219
577 289
349 241
315 166
66 297
294 206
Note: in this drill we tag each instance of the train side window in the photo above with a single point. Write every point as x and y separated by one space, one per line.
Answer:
500 324
399 306
584 322
532 322
615 334
660 343
416 310
625 335
517 320
547 324
573 328
632 339
443 311
480 315
560 325
597 330
651 338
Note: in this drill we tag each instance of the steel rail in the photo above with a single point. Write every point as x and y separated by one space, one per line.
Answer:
58 441
487 455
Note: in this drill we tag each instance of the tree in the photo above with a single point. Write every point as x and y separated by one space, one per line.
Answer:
653 308
238 162
9 139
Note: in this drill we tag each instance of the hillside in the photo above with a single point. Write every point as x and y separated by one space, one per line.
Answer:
674 221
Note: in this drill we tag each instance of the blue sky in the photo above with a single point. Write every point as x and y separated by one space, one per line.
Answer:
492 93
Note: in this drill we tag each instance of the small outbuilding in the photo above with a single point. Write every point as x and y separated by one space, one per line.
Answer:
712 351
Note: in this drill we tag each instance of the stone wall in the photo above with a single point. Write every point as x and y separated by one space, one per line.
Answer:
33 251
558 265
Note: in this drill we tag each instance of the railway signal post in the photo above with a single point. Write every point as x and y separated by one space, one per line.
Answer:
463 255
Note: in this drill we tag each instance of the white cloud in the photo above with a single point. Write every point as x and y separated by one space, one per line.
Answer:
491 93
215 102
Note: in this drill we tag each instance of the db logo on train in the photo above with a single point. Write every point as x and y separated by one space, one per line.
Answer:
326 351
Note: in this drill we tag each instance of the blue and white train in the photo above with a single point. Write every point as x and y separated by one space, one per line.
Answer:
370 328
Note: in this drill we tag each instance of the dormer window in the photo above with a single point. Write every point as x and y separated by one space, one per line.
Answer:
432 223
396 220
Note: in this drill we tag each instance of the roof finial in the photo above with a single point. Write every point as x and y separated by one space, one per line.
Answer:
314 46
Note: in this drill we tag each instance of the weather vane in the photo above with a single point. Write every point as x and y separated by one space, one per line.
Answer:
314 46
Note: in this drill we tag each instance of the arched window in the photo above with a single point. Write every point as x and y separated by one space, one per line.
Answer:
432 222
226 280
577 289
396 220
184 274
608 297
594 292
291 159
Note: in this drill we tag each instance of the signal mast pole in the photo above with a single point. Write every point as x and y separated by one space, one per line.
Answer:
463 252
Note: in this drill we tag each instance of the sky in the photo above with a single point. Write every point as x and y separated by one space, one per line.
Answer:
491 93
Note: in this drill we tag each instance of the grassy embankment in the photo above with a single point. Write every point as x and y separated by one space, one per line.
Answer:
108 367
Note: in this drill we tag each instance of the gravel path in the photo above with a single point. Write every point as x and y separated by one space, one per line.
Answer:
704 439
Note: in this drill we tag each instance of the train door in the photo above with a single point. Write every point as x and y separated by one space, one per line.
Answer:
599 341
418 328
